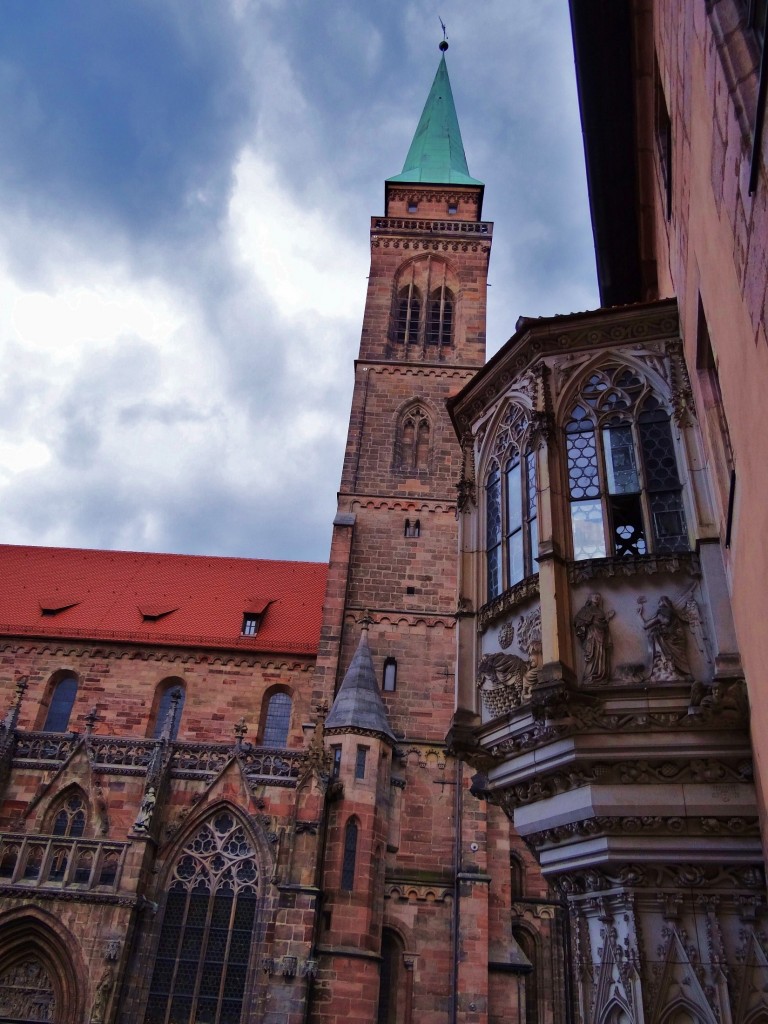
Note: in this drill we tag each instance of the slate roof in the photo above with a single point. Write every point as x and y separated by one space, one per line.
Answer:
169 600
358 704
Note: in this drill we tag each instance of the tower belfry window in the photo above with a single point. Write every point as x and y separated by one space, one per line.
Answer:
408 313
440 321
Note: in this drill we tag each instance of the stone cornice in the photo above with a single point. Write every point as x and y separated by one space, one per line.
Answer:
558 335
637 565
525 590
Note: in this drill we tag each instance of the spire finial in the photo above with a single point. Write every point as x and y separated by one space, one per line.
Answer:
443 42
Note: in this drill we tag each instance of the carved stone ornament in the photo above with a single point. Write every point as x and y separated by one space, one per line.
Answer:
636 565
509 601
101 999
666 634
504 680
144 817
592 625
506 636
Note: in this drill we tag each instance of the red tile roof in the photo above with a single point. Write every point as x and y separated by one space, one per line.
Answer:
171 600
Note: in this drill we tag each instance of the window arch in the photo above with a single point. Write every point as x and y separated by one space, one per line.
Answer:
68 815
63 690
624 488
408 314
440 317
167 706
527 944
277 721
350 855
209 919
511 505
414 437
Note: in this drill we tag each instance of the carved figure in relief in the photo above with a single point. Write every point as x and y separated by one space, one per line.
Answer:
666 634
144 816
592 625
99 1008
503 682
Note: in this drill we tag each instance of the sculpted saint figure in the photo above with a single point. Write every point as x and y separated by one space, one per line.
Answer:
145 811
593 630
666 633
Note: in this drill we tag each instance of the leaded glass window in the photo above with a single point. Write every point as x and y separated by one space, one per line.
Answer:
625 490
278 720
208 923
60 708
511 506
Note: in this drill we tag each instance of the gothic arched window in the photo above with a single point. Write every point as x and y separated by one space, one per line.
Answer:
408 312
511 506
624 487
60 707
208 925
440 317
413 441
68 817
278 720
169 701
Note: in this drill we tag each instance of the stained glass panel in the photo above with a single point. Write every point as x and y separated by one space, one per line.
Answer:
587 526
207 925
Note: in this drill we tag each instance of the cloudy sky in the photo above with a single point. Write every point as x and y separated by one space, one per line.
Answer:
185 194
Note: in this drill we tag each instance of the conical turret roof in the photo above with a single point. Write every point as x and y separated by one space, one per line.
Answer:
437 155
358 704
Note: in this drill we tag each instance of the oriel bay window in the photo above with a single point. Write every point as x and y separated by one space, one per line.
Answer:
511 505
624 487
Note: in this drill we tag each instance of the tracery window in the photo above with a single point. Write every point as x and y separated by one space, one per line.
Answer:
350 856
407 315
440 317
60 707
511 506
208 924
26 992
412 454
69 817
278 720
625 490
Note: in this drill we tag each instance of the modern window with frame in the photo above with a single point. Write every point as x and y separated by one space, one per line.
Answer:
624 487
511 507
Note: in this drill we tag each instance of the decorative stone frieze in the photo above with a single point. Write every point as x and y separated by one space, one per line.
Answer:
526 590
635 565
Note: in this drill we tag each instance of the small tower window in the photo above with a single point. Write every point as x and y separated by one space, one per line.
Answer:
169 700
412 528
70 817
390 676
453 208
413 441
336 769
412 206
350 855
362 753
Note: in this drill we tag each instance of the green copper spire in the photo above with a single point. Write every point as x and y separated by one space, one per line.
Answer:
436 155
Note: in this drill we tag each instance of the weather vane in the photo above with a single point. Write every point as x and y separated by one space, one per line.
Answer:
443 41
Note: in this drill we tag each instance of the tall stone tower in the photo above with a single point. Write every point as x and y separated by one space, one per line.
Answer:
393 575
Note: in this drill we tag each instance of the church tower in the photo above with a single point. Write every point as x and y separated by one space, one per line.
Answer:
415 952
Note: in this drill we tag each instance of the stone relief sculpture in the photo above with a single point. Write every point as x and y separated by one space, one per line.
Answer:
144 816
506 636
505 680
103 990
592 625
666 632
